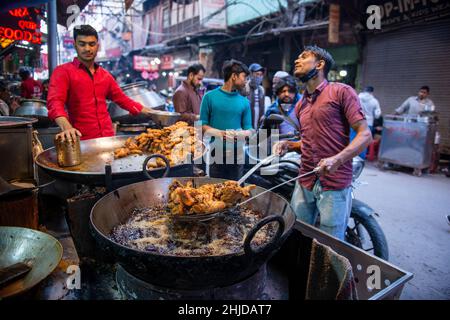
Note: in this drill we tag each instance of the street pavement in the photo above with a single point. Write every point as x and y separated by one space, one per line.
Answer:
412 211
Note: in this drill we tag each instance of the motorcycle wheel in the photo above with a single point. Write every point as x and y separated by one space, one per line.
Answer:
362 226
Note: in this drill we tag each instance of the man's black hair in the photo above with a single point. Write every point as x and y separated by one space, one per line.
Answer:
368 89
426 88
84 30
24 73
286 81
233 66
322 54
195 69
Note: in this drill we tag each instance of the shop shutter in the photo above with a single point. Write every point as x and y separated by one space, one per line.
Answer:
398 63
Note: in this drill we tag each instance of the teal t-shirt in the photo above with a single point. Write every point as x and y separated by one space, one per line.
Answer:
225 110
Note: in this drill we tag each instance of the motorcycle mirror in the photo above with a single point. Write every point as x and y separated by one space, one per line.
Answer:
275 119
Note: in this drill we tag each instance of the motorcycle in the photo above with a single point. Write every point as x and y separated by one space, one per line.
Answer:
363 230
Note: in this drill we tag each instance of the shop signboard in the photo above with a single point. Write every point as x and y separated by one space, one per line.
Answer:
142 63
20 24
212 14
396 12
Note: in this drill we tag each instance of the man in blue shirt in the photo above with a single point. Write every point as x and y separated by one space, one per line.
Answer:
287 97
225 115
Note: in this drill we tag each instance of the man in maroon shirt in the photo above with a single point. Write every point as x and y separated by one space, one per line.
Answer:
326 112
30 88
187 97
82 87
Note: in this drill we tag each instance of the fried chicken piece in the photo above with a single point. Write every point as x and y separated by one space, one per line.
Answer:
208 198
176 142
121 152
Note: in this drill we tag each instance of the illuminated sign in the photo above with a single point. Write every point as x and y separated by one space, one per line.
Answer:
141 63
20 25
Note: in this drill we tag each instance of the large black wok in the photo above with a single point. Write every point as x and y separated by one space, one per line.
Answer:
193 272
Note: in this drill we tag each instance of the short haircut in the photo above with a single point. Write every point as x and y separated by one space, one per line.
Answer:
195 69
24 73
368 89
233 66
322 54
84 30
427 88
286 81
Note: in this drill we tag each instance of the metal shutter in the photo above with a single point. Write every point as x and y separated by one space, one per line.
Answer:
398 63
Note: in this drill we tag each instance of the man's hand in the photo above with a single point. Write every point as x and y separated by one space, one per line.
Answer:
284 146
229 135
329 165
280 148
146 110
69 134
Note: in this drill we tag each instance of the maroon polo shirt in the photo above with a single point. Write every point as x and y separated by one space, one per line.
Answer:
325 118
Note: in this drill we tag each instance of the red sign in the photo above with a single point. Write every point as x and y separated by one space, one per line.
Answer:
18 34
167 62
20 24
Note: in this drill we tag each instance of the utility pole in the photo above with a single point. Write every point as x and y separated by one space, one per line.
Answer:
286 62
52 36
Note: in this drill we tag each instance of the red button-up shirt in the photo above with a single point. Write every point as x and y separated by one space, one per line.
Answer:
84 96
325 118
31 88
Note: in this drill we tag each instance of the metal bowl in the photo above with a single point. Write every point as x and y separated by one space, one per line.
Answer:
22 244
138 92
165 118
34 108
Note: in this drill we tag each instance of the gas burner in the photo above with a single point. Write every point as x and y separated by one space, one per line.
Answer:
134 288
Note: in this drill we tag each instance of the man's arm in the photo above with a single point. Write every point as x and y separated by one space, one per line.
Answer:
352 110
122 100
359 144
56 100
68 132
377 111
403 108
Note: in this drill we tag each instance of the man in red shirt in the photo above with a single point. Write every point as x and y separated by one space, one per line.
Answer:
326 112
82 87
30 88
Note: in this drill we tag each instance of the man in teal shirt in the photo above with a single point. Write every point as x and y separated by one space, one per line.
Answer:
226 116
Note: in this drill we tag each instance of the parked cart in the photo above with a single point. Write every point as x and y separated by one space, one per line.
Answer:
408 141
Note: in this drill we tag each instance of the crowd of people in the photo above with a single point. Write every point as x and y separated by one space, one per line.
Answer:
334 122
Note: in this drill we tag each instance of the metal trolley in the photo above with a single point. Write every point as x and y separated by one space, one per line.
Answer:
408 141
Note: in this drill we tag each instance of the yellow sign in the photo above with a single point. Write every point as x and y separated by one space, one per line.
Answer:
5 42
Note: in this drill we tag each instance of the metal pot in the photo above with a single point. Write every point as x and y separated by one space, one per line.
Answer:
137 91
164 118
68 152
34 108
193 272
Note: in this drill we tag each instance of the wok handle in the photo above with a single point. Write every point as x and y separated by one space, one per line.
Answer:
144 166
248 239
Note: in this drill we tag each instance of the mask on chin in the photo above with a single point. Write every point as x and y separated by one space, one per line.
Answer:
311 74
255 81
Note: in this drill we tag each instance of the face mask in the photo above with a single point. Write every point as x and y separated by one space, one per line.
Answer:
311 74
256 81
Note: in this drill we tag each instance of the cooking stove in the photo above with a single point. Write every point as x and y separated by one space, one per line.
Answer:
103 281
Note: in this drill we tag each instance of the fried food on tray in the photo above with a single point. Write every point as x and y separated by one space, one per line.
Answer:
205 199
176 142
